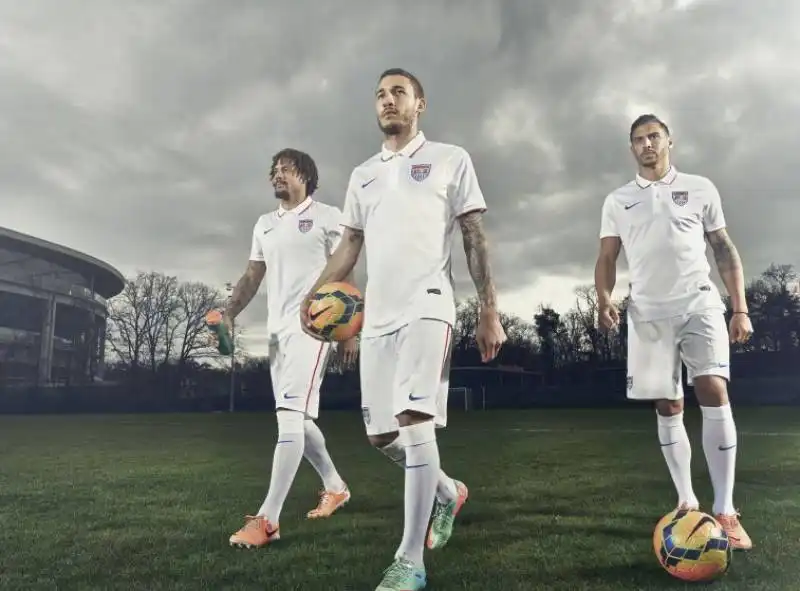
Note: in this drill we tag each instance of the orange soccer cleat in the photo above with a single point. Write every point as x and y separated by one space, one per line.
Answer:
329 503
737 536
257 532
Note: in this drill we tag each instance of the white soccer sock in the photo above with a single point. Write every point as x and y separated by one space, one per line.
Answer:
422 473
285 462
719 444
446 487
317 455
677 452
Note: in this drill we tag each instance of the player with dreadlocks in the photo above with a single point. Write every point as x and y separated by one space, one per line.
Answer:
291 245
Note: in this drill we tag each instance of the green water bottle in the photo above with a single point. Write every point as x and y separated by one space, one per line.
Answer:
220 329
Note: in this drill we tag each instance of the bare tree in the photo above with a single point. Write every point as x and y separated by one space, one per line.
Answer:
126 324
466 324
595 344
160 304
519 333
157 319
522 337
188 327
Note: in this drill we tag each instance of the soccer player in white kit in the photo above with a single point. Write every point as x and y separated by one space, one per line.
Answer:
403 205
662 219
290 247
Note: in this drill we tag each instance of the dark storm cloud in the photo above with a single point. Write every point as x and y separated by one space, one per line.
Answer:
143 134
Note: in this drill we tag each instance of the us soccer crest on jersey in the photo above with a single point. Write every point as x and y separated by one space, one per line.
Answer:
419 172
680 198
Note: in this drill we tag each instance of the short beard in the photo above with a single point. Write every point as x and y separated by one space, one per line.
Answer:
283 195
391 129
650 164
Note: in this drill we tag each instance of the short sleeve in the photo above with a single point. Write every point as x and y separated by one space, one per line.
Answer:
352 215
333 229
256 252
464 191
608 223
713 217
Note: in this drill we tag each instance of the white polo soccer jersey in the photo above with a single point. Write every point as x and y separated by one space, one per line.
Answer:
662 226
295 245
407 204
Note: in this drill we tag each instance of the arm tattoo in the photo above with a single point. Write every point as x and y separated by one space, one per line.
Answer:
356 237
730 269
475 247
725 253
245 290
341 262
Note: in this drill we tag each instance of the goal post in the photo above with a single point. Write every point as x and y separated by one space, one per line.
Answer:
465 398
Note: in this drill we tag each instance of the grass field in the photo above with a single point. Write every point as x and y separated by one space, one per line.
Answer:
559 500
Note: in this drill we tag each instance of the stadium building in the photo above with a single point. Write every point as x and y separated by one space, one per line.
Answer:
52 311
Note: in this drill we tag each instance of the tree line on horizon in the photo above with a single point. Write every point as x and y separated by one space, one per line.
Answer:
157 323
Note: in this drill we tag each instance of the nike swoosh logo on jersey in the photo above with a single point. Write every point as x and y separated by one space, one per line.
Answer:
369 182
268 230
632 205
316 315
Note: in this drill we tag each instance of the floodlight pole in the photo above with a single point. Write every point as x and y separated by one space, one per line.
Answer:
232 389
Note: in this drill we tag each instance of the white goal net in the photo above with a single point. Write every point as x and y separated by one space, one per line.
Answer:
466 399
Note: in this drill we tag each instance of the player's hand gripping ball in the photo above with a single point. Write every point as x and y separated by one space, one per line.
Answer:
336 312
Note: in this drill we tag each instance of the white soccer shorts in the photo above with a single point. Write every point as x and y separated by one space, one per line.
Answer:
297 365
656 349
406 370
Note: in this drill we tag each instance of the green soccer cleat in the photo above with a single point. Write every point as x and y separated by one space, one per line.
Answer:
402 575
444 515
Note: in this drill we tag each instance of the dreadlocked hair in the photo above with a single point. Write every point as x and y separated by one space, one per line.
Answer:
305 165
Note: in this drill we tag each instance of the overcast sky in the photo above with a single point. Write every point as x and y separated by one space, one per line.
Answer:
141 133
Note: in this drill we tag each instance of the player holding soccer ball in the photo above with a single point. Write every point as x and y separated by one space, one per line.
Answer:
291 245
403 205
676 312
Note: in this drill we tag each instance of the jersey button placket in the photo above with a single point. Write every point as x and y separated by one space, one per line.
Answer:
656 198
397 170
